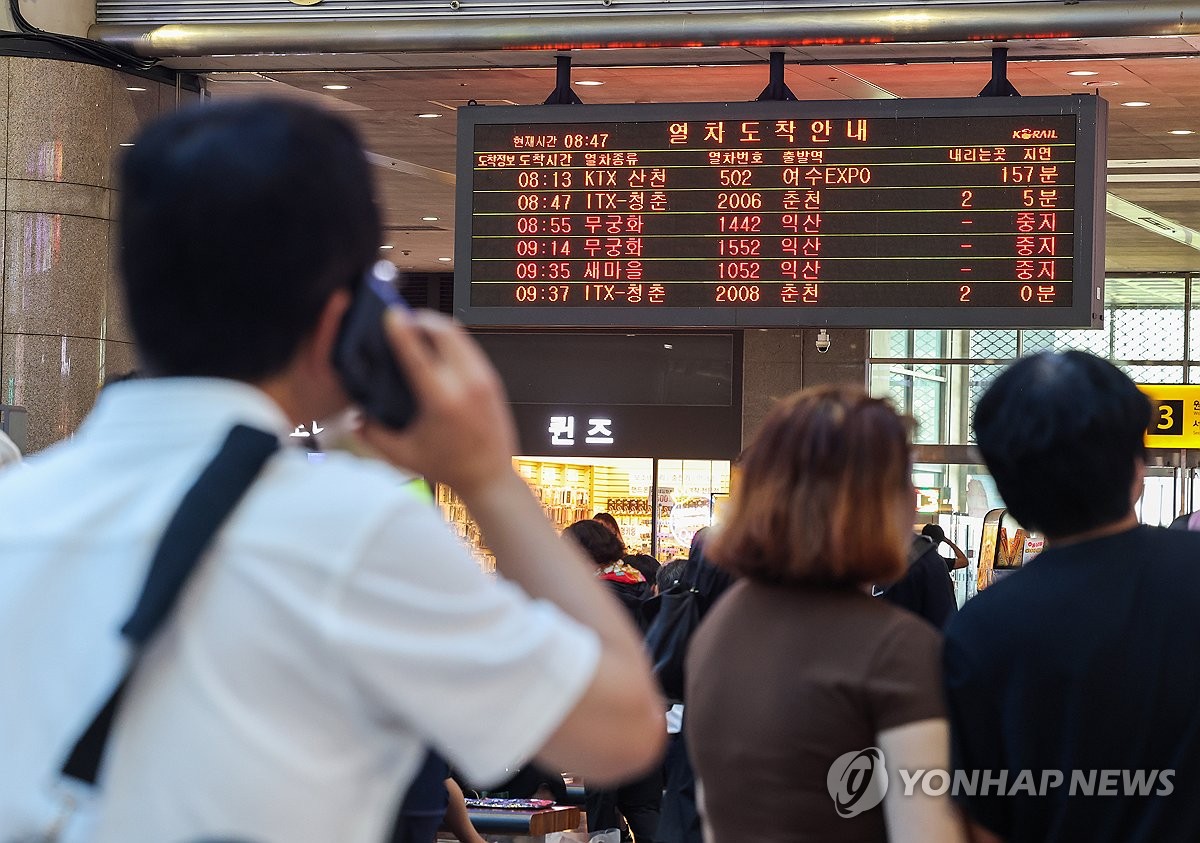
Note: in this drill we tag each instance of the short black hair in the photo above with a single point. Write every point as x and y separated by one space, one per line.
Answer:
237 222
669 574
1061 434
597 540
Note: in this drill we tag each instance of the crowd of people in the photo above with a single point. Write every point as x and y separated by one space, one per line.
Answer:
334 640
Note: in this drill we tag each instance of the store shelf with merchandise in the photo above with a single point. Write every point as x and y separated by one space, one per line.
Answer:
576 488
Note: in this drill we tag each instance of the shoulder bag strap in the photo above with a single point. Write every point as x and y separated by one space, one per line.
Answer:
190 531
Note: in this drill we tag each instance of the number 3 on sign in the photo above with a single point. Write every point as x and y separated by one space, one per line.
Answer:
1168 418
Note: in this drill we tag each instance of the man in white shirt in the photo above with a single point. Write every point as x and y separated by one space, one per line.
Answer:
10 454
336 626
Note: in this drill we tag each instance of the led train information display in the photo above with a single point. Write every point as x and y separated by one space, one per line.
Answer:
966 213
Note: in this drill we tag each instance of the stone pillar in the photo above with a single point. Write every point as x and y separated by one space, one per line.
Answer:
67 17
776 362
61 326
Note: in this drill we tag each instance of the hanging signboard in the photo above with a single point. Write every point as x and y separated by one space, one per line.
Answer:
1175 415
983 212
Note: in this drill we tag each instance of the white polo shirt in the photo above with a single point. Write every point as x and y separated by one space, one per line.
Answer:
335 626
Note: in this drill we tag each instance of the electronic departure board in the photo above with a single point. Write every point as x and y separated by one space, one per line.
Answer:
982 212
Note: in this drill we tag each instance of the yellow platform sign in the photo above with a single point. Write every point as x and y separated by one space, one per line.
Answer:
1175 416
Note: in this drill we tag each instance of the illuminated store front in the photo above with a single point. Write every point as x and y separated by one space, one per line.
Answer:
642 426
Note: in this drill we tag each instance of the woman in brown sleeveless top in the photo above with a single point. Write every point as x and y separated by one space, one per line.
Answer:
802 690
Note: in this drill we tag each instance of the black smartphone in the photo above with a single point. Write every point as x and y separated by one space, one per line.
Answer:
363 356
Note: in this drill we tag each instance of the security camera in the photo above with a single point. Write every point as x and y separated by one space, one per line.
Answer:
822 341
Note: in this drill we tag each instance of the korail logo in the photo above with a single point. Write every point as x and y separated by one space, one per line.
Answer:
857 781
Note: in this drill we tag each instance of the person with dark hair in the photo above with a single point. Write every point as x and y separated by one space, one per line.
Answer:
625 582
937 536
638 800
1073 664
644 562
608 521
335 626
797 668
668 575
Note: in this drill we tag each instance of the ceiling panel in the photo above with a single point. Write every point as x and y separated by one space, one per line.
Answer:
386 93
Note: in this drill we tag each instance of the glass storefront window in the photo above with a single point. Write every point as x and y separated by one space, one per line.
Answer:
689 492
1145 333
1150 333
956 498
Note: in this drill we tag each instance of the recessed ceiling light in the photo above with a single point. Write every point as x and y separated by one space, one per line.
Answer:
336 87
1182 132
429 114
134 88
429 219
589 82
387 246
1100 83
1083 73
445 260
124 144
1135 104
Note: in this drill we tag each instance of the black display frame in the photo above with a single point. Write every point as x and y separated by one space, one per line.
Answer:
1086 309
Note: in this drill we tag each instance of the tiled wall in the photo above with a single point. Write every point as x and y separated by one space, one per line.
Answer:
61 326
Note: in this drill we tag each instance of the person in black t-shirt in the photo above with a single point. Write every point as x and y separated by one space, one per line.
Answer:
937 535
925 589
679 820
1074 677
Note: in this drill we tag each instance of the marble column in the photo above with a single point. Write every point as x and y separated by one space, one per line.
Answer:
62 331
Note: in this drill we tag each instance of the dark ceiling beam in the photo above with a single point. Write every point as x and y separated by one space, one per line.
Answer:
776 28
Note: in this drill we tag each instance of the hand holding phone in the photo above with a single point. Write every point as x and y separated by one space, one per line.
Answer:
363 356
464 435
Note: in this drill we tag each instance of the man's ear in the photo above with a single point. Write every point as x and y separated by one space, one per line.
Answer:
325 335
1139 480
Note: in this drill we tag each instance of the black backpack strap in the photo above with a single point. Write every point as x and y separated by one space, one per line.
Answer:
190 531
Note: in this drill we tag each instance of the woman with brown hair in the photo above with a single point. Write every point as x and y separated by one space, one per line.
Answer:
804 692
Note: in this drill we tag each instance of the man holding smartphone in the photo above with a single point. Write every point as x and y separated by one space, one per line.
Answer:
336 626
